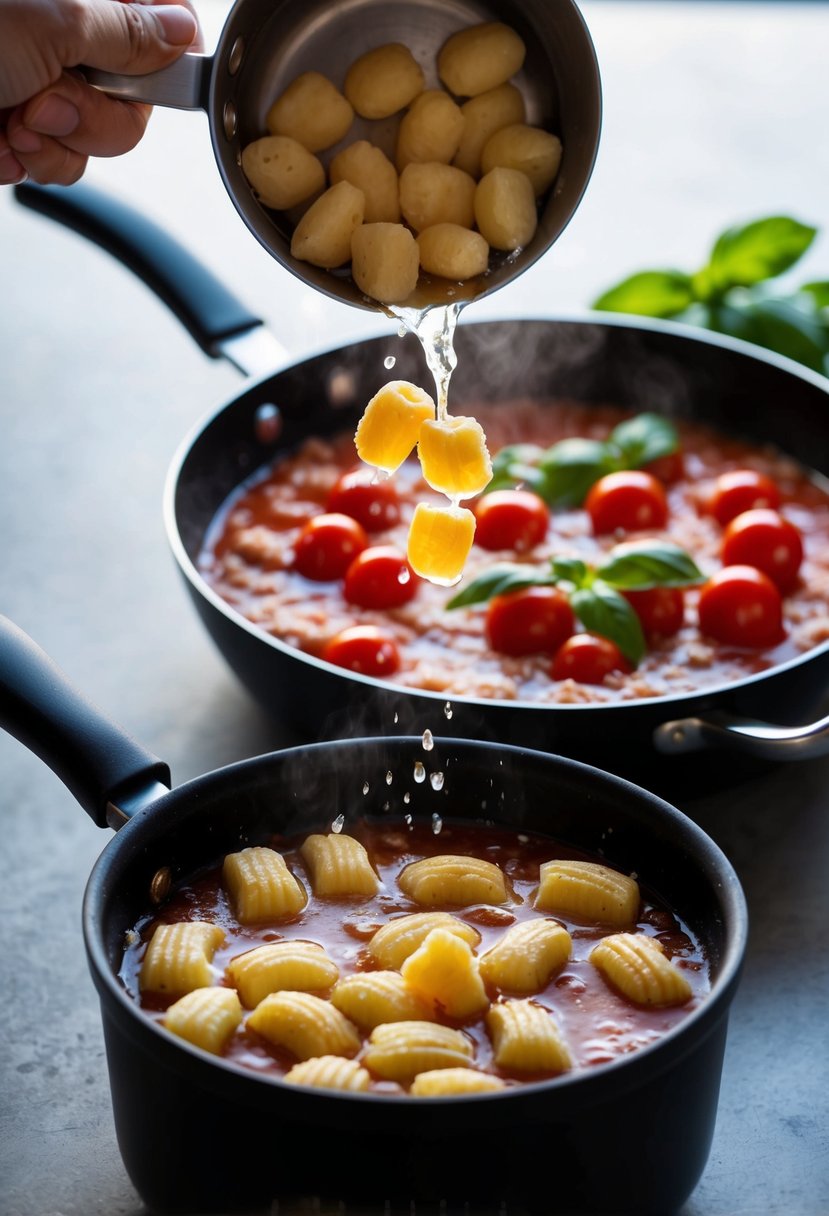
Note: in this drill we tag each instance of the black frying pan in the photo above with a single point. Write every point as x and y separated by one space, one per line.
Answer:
199 1134
680 372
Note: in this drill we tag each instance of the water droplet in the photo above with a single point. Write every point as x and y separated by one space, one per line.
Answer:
389 362
408 820
428 741
403 575
448 711
407 799
386 806
436 781
338 824
419 773
437 824
396 717
366 787
402 330
389 777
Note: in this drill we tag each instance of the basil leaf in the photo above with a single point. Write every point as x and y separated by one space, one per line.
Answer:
651 293
517 464
819 292
781 325
643 564
570 570
571 467
761 250
603 610
644 438
498 581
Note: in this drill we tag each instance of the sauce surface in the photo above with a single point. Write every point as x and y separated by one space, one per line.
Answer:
248 555
598 1023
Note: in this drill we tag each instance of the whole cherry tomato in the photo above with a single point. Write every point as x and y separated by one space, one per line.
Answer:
629 500
741 606
380 577
365 649
372 501
327 545
529 621
511 519
661 610
764 539
667 469
587 658
741 490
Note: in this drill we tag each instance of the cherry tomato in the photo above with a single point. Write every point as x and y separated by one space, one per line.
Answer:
327 545
363 648
374 503
629 500
667 469
741 490
660 610
380 577
529 621
511 519
741 606
766 540
587 658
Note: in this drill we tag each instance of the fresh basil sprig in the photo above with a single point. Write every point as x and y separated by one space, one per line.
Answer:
563 474
595 591
734 293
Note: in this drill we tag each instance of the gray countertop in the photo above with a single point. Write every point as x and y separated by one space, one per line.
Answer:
714 114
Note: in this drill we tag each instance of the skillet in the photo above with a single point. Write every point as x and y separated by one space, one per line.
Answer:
199 1134
670 742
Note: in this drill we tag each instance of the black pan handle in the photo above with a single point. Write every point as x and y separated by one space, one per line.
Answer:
761 739
97 762
208 310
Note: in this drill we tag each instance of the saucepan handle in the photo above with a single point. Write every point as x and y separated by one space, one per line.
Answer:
101 765
181 86
759 739
221 324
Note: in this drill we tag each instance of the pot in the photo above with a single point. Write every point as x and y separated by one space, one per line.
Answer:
726 383
265 45
201 1134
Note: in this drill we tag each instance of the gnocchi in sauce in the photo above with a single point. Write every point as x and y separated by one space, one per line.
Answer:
393 959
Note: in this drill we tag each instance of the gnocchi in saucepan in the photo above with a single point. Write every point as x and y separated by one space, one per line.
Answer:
408 960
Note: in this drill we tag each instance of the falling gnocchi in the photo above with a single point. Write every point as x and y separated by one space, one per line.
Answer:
393 959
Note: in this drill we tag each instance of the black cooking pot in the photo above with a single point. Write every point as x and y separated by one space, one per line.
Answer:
679 372
200 1134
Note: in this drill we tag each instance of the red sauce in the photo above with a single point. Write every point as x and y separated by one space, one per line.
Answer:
598 1022
249 552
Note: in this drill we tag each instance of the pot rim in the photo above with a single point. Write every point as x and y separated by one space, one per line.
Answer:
624 1072
690 701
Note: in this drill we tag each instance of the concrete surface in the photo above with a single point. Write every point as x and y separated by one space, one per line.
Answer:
714 114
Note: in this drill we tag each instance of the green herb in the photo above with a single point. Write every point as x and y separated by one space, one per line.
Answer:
595 592
563 474
734 292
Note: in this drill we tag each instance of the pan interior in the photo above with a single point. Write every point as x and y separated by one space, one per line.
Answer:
273 43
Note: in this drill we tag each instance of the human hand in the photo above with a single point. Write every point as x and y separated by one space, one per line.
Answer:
51 120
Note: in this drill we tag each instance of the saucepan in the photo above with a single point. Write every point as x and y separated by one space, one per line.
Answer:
266 44
201 1134
668 743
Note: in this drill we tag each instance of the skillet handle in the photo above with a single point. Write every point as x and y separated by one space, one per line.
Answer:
182 85
207 309
96 761
736 734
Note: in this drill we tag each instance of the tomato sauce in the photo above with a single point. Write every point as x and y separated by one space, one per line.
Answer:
598 1023
248 558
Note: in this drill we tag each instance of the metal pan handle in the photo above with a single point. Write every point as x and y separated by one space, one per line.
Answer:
101 765
758 739
220 323
181 86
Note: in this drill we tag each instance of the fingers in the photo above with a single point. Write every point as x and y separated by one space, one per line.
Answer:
82 118
134 38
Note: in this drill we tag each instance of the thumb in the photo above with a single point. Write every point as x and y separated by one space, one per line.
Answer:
135 38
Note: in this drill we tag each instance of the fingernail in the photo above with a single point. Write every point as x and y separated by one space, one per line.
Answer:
178 25
54 115
24 140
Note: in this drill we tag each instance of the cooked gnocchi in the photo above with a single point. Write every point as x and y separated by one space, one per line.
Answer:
443 140
441 976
